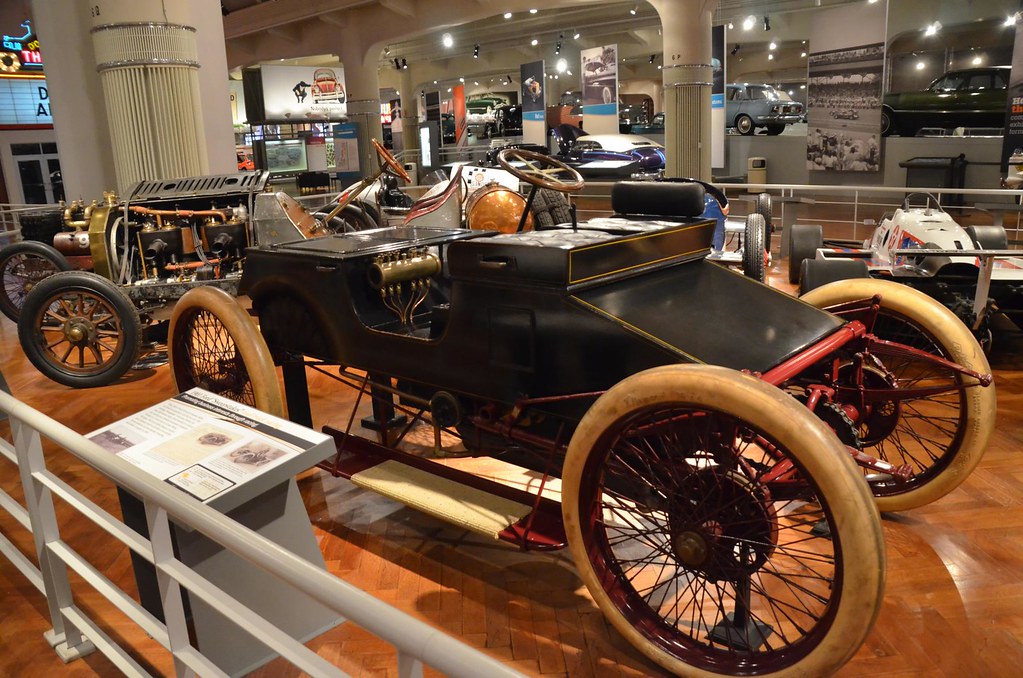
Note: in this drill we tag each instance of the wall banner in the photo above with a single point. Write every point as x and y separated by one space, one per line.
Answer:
844 89
534 86
302 93
1012 141
717 98
599 74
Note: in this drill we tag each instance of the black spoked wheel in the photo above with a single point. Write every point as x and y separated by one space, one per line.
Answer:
940 437
79 329
22 266
754 254
692 545
215 345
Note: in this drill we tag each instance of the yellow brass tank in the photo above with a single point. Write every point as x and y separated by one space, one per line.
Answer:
496 208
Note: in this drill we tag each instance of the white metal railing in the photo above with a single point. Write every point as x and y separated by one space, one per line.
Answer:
854 207
11 216
75 634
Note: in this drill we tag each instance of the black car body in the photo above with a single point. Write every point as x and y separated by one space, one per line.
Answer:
969 97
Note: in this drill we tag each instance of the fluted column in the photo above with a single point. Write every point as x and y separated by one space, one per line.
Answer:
688 76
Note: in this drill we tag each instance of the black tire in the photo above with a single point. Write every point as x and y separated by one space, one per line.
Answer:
815 273
804 241
215 345
667 514
351 219
775 130
550 208
988 237
753 252
887 123
744 125
763 208
22 266
79 329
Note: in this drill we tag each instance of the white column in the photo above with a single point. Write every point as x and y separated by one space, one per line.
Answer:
688 74
409 112
363 86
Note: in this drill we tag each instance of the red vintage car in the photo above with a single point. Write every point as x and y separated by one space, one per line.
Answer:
325 87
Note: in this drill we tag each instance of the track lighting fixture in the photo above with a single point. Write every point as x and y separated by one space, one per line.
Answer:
397 63
476 51
404 64
767 23
735 49
652 57
635 8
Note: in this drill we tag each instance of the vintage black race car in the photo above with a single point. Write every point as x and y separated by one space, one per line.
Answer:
716 468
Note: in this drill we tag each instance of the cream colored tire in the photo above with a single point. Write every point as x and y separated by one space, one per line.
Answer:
910 311
659 412
215 345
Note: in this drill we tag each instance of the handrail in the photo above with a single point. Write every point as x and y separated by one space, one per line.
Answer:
411 637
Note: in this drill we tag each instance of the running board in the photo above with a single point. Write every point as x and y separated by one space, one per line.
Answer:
448 500
451 494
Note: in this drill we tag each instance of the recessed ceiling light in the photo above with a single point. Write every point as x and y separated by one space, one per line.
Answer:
770 57
773 45
730 25
475 83
748 23
561 66
977 60
533 11
634 10
534 42
576 36
919 65
802 54
447 40
1011 20
507 15
461 80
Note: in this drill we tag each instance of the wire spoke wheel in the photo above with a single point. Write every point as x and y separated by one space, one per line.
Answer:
79 329
22 266
940 437
695 544
215 346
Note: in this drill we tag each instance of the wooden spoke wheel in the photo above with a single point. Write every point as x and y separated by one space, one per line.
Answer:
215 345
79 329
540 170
940 437
695 548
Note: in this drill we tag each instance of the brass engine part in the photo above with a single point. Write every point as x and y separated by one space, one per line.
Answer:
386 271
72 210
496 208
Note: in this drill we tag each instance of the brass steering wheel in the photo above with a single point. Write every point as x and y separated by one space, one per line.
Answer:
388 161
540 170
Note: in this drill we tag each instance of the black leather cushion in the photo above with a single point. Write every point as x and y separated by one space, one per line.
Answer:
657 198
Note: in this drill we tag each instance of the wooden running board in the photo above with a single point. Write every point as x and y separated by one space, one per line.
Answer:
468 507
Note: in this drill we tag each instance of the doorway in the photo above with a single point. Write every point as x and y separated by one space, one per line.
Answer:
39 173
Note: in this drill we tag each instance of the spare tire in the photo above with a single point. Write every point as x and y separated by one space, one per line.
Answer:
814 273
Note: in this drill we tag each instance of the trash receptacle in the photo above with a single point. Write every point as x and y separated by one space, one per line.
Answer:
413 171
937 172
756 171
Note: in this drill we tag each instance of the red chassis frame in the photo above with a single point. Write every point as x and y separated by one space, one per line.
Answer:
542 529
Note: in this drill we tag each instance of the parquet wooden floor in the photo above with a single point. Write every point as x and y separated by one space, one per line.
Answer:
953 606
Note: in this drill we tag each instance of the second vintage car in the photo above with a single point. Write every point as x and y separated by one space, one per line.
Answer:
750 106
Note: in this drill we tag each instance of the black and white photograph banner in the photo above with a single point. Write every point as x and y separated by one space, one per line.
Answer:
844 88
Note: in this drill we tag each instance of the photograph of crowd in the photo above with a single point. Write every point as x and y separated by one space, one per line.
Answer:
844 109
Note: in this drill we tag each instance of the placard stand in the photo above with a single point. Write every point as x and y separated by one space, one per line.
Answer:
268 503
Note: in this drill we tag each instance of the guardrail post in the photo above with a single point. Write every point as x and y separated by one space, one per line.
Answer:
64 637
409 667
161 540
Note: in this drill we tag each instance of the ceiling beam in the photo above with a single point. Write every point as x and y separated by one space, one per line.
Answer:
403 7
337 19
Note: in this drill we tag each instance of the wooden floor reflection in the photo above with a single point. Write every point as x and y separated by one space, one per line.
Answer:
953 604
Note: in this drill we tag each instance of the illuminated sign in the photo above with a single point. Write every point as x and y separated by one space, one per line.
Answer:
21 52
24 101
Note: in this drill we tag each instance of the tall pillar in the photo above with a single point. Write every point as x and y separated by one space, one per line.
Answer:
409 112
688 76
79 114
141 116
363 86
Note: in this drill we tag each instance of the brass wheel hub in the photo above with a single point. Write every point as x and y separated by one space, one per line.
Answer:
78 330
690 548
